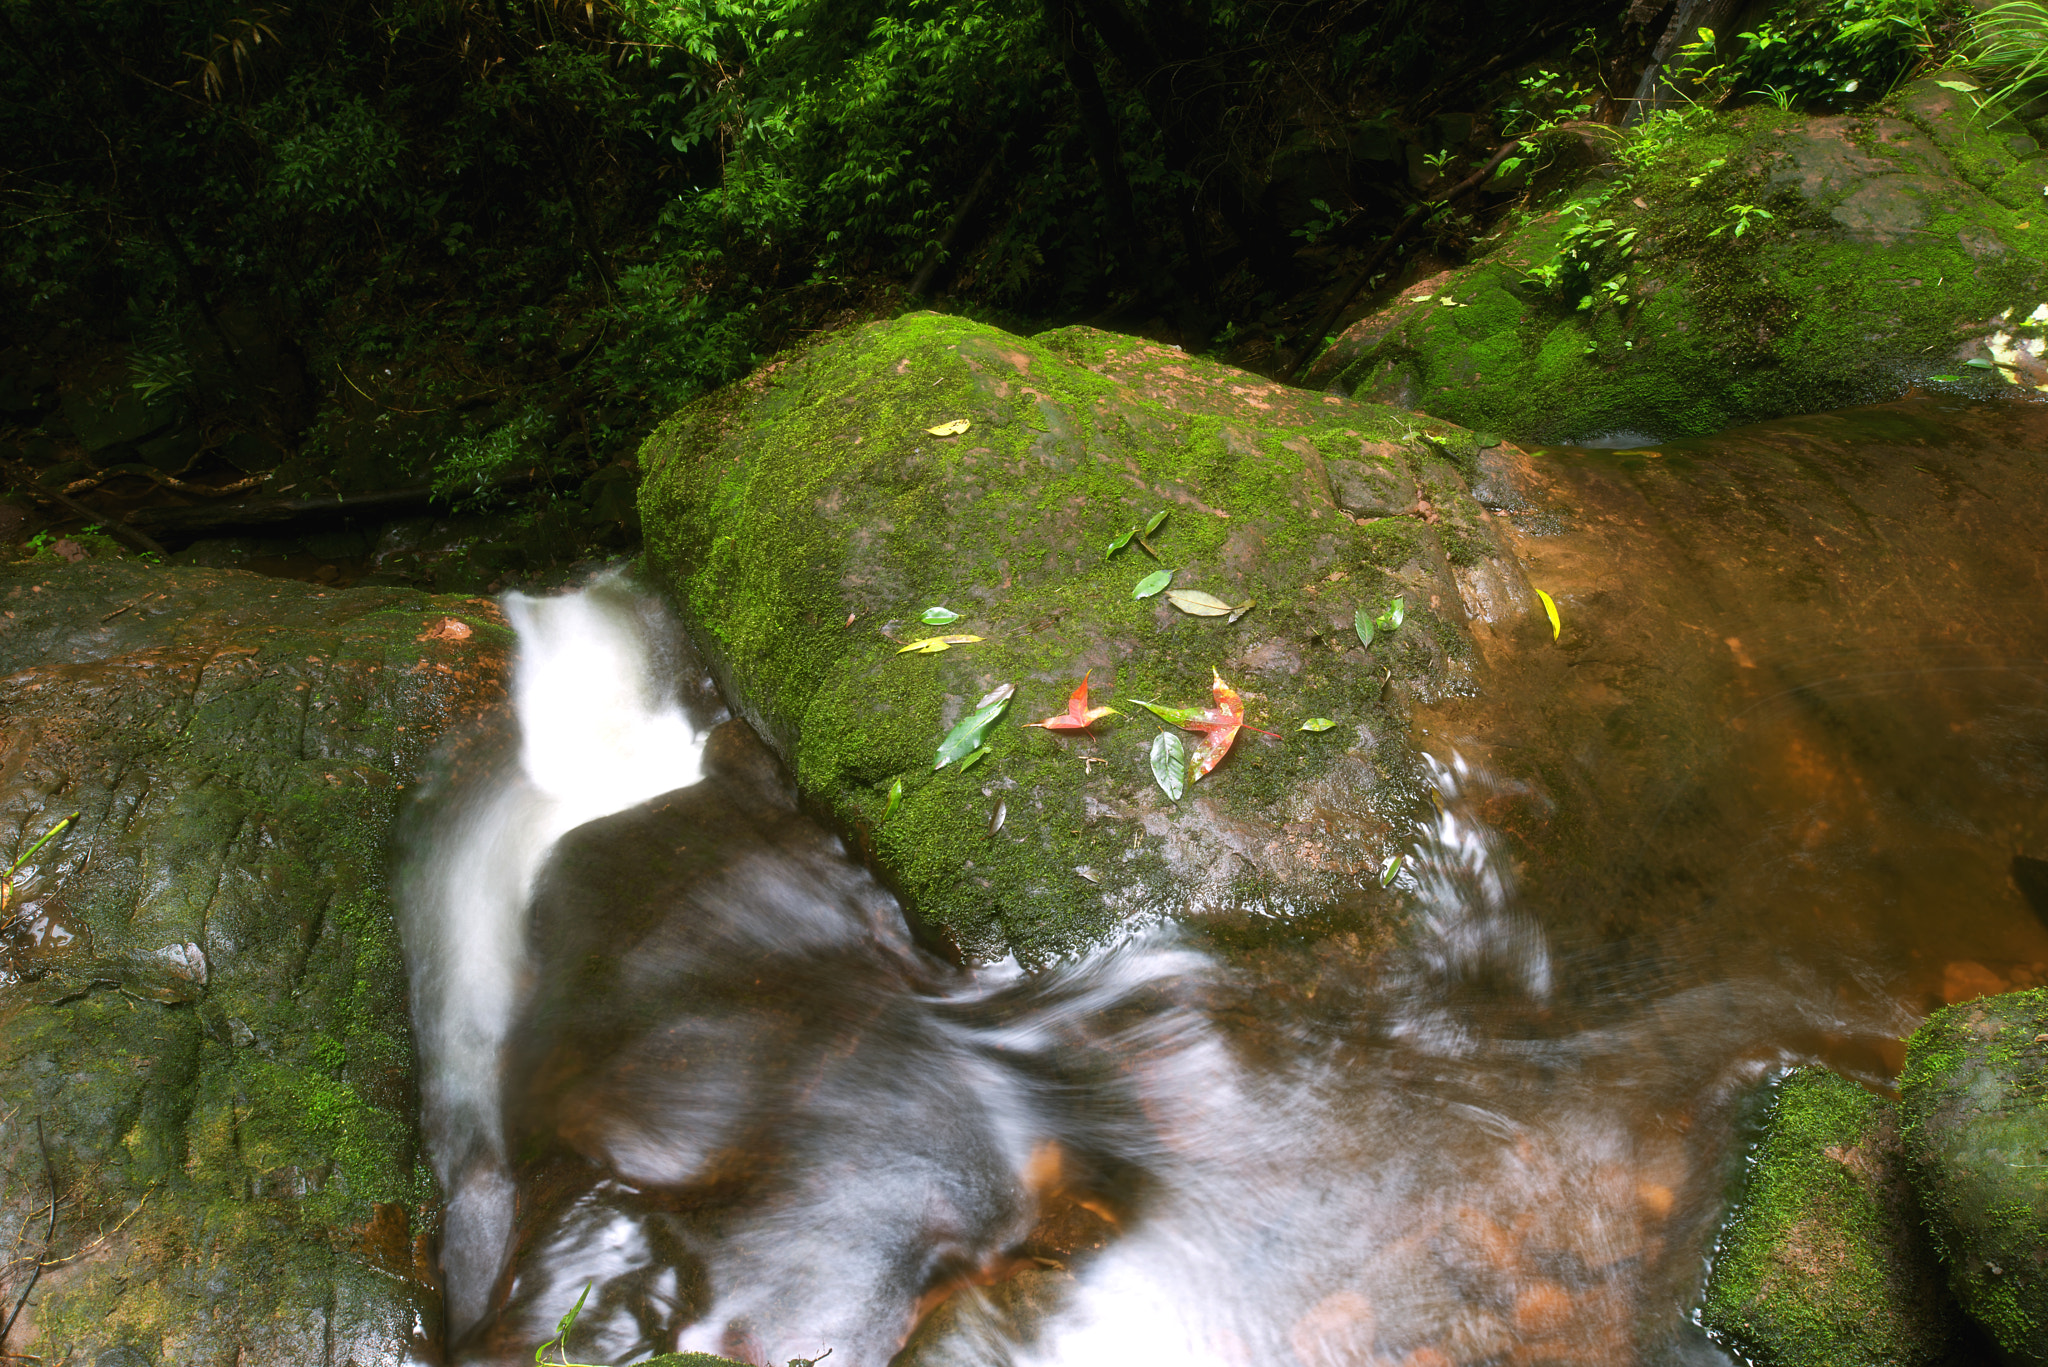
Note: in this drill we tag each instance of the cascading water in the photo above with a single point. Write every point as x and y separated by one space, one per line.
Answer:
599 728
681 1048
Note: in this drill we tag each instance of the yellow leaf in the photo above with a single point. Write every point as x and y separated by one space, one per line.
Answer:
950 429
932 645
1550 611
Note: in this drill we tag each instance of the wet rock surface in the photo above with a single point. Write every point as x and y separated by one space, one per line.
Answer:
203 1042
1899 244
1826 1262
1975 1100
805 518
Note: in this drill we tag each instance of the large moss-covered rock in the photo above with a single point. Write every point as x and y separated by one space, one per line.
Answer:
1975 1100
1900 243
805 518
1825 1263
203 1038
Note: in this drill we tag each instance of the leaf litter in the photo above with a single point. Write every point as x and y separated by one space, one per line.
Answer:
965 738
1079 715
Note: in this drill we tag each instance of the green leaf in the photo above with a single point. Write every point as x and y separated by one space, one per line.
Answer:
1391 867
938 617
895 799
1240 610
1120 543
1198 604
965 738
1317 724
1956 85
1152 583
1362 624
974 759
1982 364
1157 519
1946 379
1169 762
1173 716
1395 613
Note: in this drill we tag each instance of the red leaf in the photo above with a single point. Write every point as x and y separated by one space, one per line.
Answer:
1219 726
1078 714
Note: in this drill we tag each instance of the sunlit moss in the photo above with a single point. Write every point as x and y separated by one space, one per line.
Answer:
811 492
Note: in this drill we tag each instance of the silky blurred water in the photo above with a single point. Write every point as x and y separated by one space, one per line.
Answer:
1755 806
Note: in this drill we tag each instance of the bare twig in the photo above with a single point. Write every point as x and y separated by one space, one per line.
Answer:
131 537
49 1238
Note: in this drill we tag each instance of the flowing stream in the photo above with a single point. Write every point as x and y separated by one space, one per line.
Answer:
1757 806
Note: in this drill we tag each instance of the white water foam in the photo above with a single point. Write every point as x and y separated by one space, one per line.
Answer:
599 732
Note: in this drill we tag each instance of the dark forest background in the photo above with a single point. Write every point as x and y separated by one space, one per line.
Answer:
352 245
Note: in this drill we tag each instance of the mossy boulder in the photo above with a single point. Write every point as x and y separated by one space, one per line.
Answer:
1898 244
805 518
203 1037
1975 1100
1825 1263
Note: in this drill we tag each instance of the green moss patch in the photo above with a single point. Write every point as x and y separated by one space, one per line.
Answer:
1824 1263
805 518
1896 246
1975 1100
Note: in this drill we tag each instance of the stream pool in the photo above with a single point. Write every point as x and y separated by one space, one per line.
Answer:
1757 805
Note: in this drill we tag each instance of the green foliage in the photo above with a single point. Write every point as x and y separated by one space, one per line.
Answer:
1542 101
1818 55
1589 250
470 469
158 362
2009 44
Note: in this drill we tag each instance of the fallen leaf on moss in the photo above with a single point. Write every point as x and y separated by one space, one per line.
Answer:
1152 583
999 816
939 617
1392 867
965 738
1079 715
1172 716
1240 610
1317 724
950 429
1198 604
895 799
1218 724
1157 520
1169 764
1120 543
974 759
932 645
1362 624
1088 873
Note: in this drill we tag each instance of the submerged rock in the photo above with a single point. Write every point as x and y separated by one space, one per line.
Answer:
1975 1100
203 1038
1825 1263
1892 245
805 518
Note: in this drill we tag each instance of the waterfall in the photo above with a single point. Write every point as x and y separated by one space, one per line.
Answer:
600 728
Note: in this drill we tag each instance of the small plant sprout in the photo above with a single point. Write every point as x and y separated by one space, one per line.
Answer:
561 1339
1744 214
